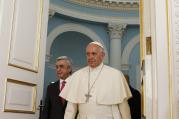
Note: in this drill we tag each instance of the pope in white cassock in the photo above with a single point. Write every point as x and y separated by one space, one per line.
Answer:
97 91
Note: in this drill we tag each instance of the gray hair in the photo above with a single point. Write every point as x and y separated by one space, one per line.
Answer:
69 61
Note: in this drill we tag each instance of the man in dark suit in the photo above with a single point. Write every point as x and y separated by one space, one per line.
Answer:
54 105
134 102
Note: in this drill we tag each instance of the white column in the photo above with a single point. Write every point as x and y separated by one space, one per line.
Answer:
116 32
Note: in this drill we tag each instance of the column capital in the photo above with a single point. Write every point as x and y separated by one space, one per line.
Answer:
47 57
51 13
116 30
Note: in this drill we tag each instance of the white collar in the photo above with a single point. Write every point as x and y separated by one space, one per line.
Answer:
96 68
61 80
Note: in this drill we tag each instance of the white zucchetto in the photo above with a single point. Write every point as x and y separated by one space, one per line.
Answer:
97 43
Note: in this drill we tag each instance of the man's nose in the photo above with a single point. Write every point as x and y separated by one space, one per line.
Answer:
90 56
58 69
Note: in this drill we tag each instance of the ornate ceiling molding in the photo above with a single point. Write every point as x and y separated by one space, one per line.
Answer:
108 4
91 17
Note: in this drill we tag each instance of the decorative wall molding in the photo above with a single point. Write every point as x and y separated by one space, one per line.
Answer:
51 65
77 28
108 4
20 97
173 33
91 17
47 57
51 13
127 51
26 35
125 67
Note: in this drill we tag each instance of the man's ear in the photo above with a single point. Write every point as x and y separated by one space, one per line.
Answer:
103 54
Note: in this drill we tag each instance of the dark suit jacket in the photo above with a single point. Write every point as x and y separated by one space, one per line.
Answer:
135 104
53 109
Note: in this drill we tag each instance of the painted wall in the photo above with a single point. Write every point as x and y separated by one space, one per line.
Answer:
134 62
134 59
130 32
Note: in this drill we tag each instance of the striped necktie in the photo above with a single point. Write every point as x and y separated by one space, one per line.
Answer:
61 88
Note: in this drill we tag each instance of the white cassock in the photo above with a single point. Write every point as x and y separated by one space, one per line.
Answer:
109 94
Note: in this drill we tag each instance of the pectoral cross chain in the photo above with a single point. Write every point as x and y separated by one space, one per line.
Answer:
87 97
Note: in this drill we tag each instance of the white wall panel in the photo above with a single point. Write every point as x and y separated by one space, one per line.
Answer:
173 16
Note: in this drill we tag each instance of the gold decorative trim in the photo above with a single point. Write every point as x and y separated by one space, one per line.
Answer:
34 90
141 30
142 60
149 45
35 67
101 4
169 62
39 34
